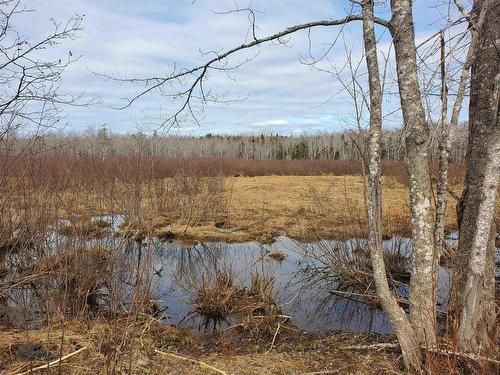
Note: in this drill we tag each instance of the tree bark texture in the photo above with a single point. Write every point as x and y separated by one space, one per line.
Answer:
397 317
474 271
422 289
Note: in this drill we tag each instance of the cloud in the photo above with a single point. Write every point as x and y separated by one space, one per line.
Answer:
141 39
270 122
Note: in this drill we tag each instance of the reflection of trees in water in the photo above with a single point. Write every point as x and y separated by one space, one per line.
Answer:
192 263
308 285
185 265
198 269
196 261
338 275
64 274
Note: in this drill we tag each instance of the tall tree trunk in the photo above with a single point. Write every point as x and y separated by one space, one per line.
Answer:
404 331
444 143
444 153
474 268
422 289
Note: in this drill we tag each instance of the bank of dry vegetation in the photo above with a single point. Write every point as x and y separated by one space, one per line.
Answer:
205 199
142 345
97 308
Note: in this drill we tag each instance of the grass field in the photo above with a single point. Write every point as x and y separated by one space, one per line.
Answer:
208 201
307 208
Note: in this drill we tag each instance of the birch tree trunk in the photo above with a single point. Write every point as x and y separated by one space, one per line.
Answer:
474 269
404 331
444 152
422 289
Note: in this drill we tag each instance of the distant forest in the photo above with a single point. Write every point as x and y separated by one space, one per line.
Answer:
325 146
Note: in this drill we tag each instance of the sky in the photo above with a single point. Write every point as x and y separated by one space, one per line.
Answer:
275 92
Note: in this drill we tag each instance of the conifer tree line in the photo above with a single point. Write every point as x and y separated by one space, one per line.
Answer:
103 142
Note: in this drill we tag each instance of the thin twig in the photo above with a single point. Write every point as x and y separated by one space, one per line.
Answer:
274 337
474 357
55 362
201 363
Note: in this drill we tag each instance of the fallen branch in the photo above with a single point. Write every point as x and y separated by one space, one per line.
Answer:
55 362
203 364
474 357
384 345
286 317
274 337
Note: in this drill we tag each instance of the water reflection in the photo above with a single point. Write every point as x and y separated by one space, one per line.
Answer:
306 285
312 306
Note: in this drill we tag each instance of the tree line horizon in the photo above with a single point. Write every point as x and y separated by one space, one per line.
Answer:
335 145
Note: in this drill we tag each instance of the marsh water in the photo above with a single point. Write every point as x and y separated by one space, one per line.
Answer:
311 304
177 269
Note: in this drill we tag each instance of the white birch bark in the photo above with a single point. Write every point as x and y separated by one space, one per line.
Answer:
422 290
397 317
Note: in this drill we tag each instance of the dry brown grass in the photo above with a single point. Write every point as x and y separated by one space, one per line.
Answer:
86 229
131 345
309 207
217 299
261 208
127 345
277 255
233 209
221 296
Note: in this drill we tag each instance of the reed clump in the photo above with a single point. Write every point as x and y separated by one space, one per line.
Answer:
217 299
222 299
353 269
345 269
278 255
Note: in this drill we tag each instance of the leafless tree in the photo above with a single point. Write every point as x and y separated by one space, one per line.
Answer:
419 329
403 328
30 83
30 98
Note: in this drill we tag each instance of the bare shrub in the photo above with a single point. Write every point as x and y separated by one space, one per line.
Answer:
82 280
48 168
345 270
201 199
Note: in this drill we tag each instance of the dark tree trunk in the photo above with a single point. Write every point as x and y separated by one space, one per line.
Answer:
473 292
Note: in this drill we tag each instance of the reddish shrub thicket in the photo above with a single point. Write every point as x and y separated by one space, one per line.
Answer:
63 169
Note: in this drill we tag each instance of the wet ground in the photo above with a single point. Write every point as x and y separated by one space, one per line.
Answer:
177 269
